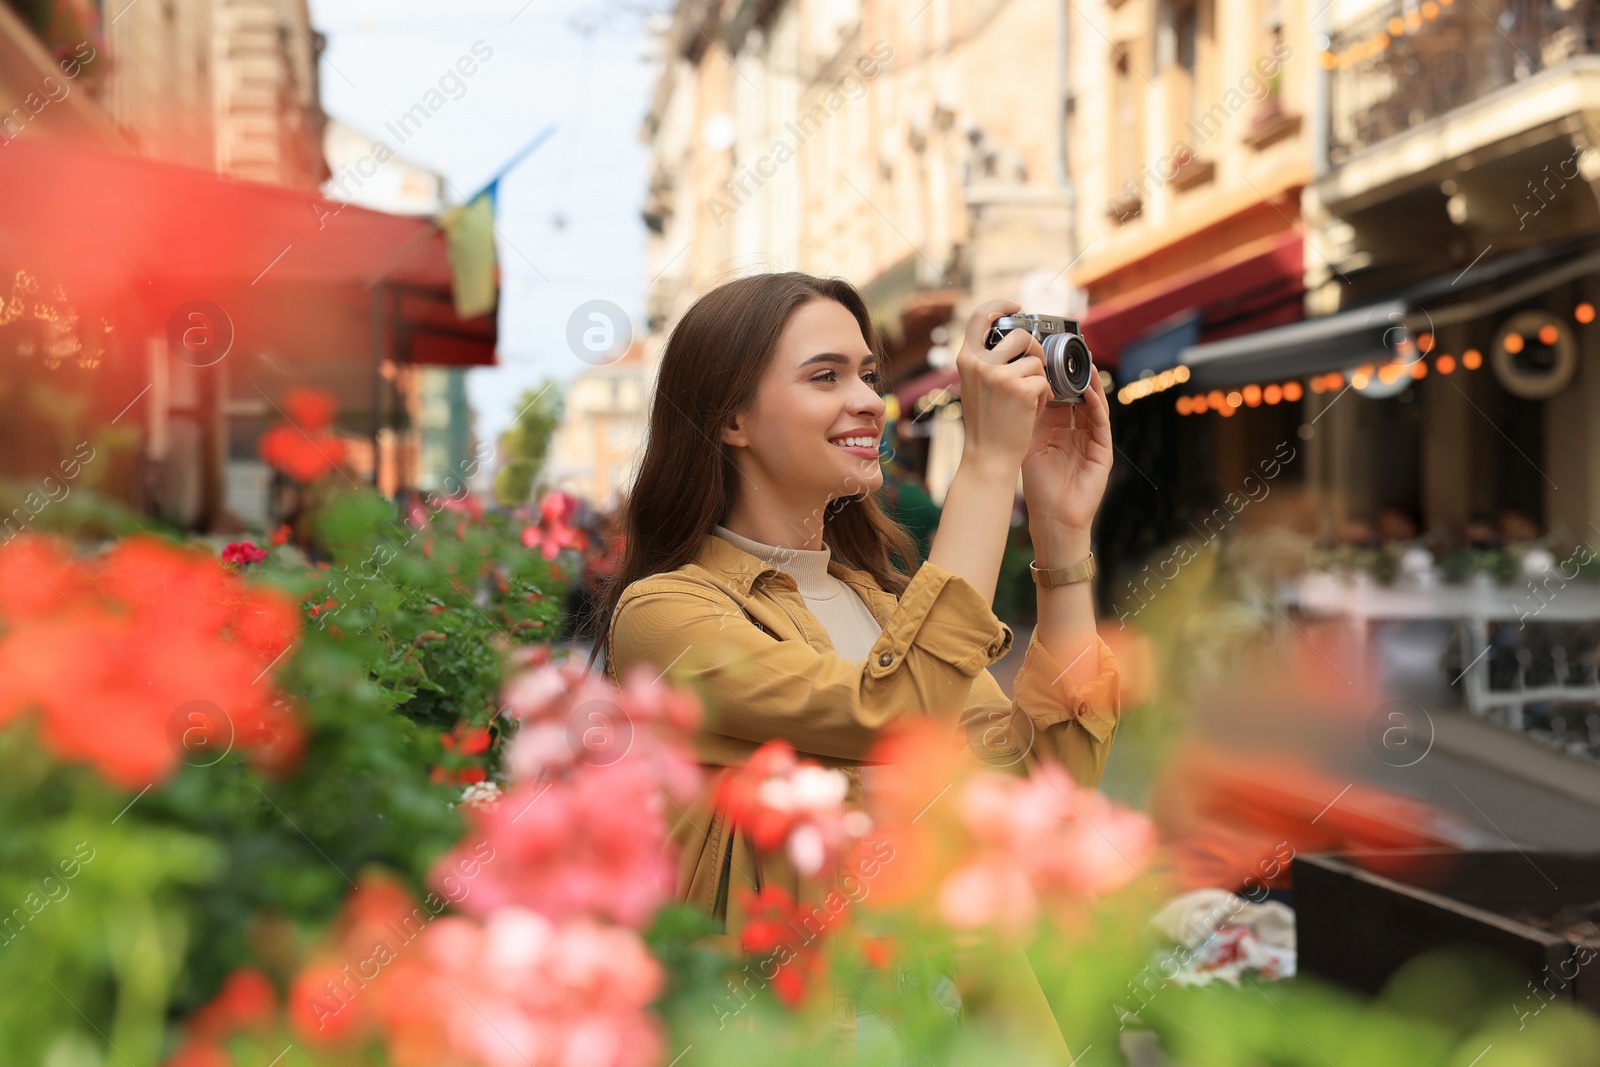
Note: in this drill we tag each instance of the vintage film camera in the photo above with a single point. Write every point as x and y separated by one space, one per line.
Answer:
1067 364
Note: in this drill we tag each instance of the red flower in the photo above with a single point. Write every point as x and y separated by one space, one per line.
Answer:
247 1000
141 657
200 1054
243 552
281 535
313 409
465 776
797 804
878 952
468 740
318 1011
771 932
302 447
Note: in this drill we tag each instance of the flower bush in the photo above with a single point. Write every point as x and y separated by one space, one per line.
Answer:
359 812
129 659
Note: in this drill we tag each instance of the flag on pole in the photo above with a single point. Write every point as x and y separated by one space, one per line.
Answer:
469 231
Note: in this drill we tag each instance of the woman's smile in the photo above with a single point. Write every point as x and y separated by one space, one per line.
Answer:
858 443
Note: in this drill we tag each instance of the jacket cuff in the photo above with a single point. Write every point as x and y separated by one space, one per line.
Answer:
944 616
1048 696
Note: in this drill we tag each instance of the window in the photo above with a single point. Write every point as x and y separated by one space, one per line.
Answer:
1180 54
1125 126
1186 30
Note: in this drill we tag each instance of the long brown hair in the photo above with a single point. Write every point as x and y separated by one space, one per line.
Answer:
710 370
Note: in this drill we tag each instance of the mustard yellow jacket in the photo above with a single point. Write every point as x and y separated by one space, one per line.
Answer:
736 629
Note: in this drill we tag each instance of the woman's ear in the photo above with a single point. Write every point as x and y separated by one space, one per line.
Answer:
733 432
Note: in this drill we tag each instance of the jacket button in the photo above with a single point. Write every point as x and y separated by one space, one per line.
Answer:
885 659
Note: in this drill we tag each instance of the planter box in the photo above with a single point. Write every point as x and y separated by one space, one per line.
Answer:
1357 927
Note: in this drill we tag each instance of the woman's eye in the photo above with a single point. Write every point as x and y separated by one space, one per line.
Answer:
872 378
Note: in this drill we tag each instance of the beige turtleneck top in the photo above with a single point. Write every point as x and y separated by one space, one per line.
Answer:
846 619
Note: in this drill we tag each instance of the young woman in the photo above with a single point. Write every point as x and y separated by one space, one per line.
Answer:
757 566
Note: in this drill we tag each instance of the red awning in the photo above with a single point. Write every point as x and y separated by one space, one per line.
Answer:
926 382
136 239
1261 289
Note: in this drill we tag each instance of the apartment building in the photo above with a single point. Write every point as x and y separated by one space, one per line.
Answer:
918 150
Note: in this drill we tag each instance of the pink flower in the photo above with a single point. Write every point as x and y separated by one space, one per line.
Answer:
991 892
582 831
243 552
520 991
594 844
573 719
1040 840
554 531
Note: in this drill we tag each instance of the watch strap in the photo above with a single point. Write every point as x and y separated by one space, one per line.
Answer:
1081 571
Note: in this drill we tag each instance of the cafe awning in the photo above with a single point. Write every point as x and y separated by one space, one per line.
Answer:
1374 334
298 274
1261 286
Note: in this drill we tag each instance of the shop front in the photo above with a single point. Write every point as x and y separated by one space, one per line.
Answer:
182 322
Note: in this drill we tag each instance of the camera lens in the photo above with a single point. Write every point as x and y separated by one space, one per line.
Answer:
1079 366
1067 365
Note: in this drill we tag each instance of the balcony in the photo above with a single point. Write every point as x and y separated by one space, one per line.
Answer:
1481 85
1396 69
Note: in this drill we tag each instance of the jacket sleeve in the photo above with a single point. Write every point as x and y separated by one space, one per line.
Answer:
757 688
1051 720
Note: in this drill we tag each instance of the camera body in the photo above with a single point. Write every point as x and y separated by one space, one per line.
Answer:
1067 364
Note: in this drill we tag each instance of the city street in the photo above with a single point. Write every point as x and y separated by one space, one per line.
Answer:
681 533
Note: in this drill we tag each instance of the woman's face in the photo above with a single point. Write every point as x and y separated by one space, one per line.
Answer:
819 391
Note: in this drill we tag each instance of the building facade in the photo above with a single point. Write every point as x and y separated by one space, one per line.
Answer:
1458 176
226 85
595 451
872 140
1194 121
187 137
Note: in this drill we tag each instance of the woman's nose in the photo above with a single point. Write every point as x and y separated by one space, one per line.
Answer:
866 401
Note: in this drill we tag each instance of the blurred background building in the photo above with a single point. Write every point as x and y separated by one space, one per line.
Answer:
1267 201
1345 253
207 114
594 453
874 141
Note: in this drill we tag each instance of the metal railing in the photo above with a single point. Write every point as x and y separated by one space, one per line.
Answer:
1396 68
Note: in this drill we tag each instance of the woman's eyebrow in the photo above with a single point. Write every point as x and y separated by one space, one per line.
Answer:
834 357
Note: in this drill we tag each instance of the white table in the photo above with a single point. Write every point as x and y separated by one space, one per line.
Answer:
1474 605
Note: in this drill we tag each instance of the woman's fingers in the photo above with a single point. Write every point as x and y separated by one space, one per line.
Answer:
1098 408
1011 350
982 319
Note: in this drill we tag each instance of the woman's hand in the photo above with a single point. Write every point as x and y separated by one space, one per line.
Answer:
999 399
998 403
1066 465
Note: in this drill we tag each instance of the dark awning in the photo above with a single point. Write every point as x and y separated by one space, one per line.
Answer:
1373 334
1434 305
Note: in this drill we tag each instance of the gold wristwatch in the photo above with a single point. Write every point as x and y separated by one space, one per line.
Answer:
1081 571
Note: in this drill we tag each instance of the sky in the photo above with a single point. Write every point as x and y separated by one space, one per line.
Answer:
568 217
